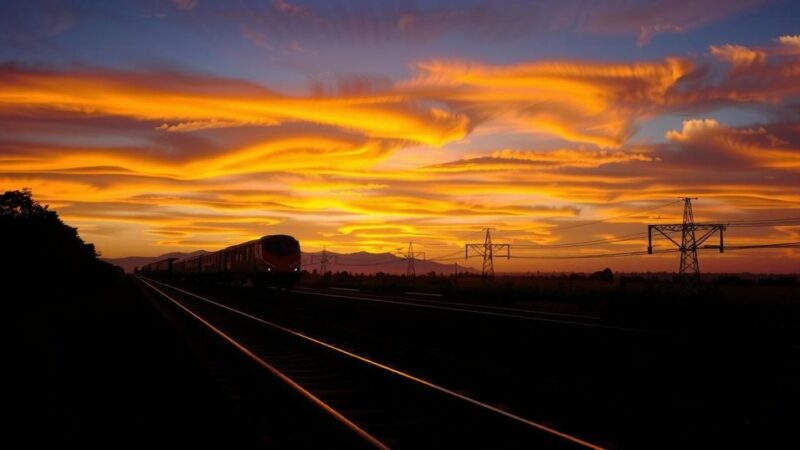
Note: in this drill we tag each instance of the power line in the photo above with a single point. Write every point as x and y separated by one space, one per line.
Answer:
474 233
627 237
426 243
378 263
634 253
633 213
447 256
765 222
456 258
688 247
596 255
795 244
660 251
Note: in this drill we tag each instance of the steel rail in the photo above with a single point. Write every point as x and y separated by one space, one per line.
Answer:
375 442
434 386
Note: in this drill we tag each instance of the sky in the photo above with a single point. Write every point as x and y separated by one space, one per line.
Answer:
156 126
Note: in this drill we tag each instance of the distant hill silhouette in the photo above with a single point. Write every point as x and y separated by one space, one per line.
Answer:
360 262
37 245
369 263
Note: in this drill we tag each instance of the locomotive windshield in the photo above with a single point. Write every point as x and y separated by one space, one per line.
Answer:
281 247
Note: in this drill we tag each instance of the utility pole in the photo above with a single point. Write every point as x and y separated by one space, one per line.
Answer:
487 250
689 265
323 261
411 256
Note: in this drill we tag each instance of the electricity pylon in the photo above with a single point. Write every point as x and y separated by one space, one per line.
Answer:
411 256
690 265
488 251
324 259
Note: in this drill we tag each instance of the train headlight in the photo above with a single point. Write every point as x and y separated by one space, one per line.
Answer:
269 269
296 269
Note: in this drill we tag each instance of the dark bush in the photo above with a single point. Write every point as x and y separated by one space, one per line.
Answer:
36 244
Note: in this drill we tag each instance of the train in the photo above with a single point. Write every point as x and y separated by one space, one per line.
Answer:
272 260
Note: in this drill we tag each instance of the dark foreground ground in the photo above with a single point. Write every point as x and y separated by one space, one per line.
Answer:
110 366
99 367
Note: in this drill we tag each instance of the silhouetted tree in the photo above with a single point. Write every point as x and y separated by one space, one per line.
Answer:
36 244
603 275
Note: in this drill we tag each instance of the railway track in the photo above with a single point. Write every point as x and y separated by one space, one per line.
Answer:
382 406
425 299
574 320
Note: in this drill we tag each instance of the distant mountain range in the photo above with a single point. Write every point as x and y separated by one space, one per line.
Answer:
360 262
368 263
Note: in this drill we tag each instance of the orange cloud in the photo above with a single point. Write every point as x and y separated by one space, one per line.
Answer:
691 129
768 75
572 157
141 96
792 40
515 160
755 145
738 55
174 162
596 103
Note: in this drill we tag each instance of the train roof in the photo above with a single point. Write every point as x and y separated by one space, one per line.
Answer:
262 238
243 244
161 260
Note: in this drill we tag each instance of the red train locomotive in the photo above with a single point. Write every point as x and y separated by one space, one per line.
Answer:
271 260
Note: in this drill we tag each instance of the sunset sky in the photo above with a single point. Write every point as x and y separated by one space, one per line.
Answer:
157 126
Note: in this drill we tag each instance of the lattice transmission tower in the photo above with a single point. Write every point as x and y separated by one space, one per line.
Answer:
488 250
412 256
324 259
689 266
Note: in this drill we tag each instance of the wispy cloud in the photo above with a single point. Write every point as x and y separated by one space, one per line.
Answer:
185 4
181 160
508 159
152 96
596 103
258 38
291 9
738 55
648 19
793 40
480 21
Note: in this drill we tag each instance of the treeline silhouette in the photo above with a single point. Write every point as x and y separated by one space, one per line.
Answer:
37 245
